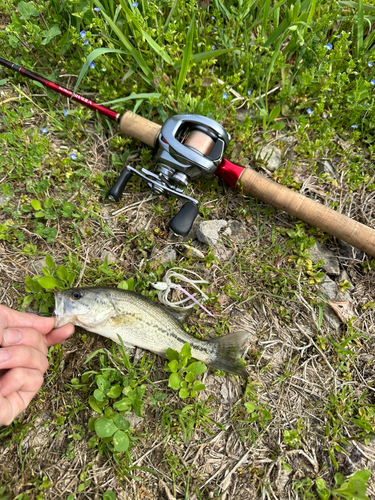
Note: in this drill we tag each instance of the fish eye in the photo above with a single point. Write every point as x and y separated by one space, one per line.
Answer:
76 295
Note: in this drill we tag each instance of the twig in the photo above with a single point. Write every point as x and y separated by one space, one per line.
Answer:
150 451
10 99
70 249
83 268
14 262
226 481
125 209
213 477
167 490
320 352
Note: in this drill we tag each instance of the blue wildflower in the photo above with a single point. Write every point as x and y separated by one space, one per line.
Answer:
82 34
92 65
135 4
370 64
242 71
213 18
44 131
354 126
66 112
225 95
249 92
78 118
97 9
213 47
310 111
73 156
86 42
372 82
329 46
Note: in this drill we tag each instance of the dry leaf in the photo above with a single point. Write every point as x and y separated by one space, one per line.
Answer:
344 310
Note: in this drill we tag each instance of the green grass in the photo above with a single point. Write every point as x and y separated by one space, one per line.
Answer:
163 59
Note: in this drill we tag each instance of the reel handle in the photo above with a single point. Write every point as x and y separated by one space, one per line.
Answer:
117 189
182 222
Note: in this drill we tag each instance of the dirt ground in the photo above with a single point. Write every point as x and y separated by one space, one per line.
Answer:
299 379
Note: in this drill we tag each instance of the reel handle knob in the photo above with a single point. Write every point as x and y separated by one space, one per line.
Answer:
182 222
117 189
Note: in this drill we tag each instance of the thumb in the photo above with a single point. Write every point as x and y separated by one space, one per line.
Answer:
10 318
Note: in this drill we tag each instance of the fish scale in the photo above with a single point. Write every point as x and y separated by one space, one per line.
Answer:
140 322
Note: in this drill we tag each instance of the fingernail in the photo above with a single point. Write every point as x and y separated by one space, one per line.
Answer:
12 336
4 355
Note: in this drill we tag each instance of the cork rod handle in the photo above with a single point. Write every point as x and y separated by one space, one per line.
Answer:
139 128
334 223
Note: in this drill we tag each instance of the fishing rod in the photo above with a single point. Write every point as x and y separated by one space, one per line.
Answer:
190 146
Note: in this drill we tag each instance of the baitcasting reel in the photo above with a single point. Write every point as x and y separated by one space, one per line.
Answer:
188 146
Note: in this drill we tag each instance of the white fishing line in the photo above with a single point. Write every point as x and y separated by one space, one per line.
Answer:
166 286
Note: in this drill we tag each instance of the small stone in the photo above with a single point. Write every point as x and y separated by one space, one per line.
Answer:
133 420
367 358
208 231
321 252
40 435
164 256
3 200
110 256
110 221
331 317
236 151
350 251
346 145
345 277
224 394
272 155
221 252
325 166
328 288
236 231
343 296
243 113
289 140
35 266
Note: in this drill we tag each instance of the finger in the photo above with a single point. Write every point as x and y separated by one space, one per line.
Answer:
59 335
24 336
18 387
22 356
11 318
20 379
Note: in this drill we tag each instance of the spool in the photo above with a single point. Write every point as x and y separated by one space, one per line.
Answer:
200 141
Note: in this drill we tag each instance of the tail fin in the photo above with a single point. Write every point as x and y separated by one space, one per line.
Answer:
228 352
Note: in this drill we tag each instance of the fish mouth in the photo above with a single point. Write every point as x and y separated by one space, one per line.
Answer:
63 310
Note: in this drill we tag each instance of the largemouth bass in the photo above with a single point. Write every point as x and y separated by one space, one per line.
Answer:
140 322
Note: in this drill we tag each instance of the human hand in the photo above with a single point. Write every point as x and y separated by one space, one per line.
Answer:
24 339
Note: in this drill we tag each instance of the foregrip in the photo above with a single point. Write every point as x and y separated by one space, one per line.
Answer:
139 128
